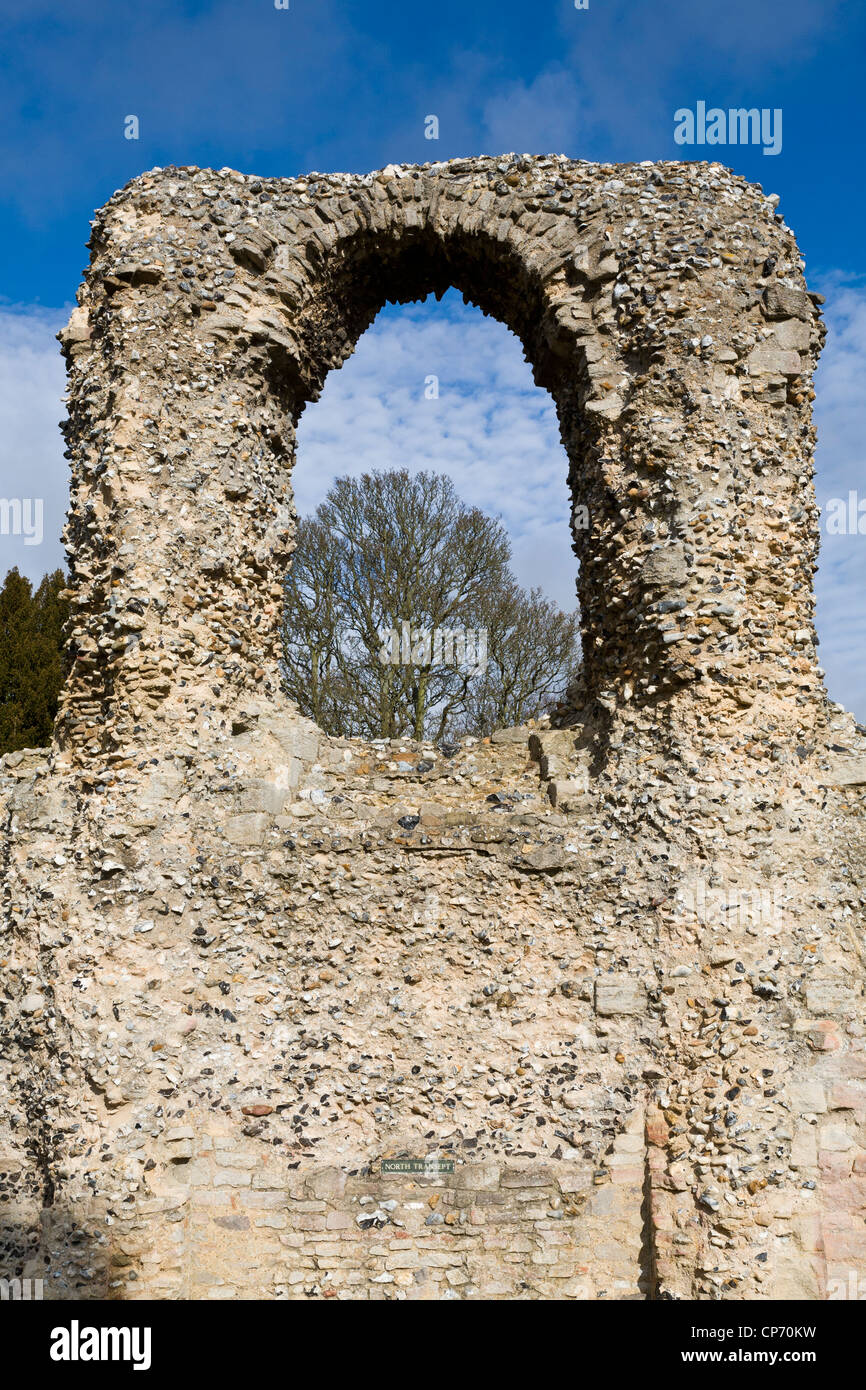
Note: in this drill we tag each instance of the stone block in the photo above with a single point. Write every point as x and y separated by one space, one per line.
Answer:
231 1177
804 1149
327 1184
808 1098
247 829
833 999
619 995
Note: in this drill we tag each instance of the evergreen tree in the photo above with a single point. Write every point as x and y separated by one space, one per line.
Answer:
32 668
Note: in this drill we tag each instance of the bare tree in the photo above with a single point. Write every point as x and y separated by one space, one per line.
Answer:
533 650
402 616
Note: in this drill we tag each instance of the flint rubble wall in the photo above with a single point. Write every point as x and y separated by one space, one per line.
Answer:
612 971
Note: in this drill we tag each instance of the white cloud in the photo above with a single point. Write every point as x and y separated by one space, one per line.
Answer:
491 429
840 410
539 117
32 383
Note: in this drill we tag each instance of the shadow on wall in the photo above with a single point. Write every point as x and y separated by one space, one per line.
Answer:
53 1258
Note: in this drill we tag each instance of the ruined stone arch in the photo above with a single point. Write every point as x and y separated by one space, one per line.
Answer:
216 304
191 947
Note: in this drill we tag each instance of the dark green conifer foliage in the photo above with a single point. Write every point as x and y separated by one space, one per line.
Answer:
32 668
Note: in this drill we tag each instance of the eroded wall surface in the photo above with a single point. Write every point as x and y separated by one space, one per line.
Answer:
609 974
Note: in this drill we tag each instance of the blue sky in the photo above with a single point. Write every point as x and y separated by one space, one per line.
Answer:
330 85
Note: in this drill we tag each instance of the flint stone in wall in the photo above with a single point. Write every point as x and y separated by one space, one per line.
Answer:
223 324
551 765
159 788
234 484
547 859
42 814
804 1149
595 263
22 755
611 406
808 1098
794 1279
298 737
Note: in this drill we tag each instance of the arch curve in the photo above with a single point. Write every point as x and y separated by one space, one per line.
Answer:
216 304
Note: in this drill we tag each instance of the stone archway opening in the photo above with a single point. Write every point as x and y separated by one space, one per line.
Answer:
483 638
409 264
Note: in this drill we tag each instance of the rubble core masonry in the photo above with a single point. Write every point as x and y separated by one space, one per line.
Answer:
605 972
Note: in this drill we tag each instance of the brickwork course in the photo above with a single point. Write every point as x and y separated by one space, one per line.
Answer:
604 972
